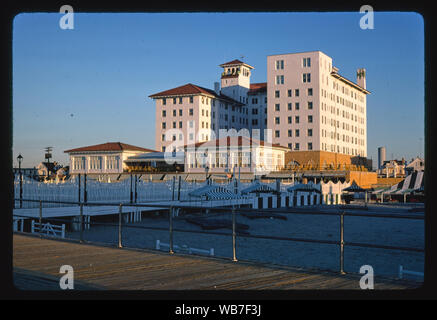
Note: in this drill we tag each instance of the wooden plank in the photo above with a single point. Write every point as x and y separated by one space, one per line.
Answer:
128 269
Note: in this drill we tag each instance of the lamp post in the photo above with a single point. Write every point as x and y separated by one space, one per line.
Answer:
20 158
206 171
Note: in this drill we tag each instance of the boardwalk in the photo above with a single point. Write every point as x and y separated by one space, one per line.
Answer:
37 261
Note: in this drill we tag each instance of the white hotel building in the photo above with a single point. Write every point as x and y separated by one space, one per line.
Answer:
305 102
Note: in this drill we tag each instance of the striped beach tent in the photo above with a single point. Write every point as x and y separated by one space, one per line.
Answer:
213 192
257 187
309 187
414 181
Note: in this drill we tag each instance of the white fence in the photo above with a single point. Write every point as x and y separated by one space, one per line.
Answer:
403 271
184 248
48 229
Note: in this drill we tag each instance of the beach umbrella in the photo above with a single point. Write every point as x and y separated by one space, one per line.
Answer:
354 188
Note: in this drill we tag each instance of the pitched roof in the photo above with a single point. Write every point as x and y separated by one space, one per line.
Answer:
190 89
230 141
257 87
110 146
235 62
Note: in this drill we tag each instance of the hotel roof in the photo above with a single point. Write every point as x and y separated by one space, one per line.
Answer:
234 141
235 62
349 82
109 146
257 87
192 89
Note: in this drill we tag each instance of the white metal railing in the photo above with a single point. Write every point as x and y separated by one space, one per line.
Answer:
48 229
403 271
184 248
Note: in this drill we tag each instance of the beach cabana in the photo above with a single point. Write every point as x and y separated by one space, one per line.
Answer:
309 187
259 188
213 192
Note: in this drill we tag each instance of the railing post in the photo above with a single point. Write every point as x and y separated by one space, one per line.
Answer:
40 218
170 214
136 178
85 193
119 225
81 223
131 192
234 236
342 243
78 182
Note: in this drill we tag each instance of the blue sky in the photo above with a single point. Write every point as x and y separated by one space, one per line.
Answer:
90 85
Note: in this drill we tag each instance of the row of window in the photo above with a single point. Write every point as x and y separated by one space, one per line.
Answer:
296 119
306 78
346 150
96 163
296 93
279 64
296 106
296 133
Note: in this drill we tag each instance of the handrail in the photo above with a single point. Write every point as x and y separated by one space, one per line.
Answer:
234 233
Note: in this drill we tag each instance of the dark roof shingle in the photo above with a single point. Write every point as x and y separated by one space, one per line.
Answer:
110 146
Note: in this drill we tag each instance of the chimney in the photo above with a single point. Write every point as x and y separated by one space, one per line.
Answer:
217 87
361 78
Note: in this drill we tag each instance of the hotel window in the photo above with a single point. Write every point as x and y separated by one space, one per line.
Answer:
163 125
289 92
277 94
289 106
310 132
191 136
296 119
307 62
163 149
296 92
203 112
290 146
306 77
180 100
174 137
277 120
310 119
174 113
174 124
289 133
296 106
191 112
254 111
164 101
296 146
213 114
163 137
174 100
296 133
276 133
310 91
254 121
310 105
180 124
310 146
180 136
279 64
277 107
233 119
289 119
191 123
180 112
164 113
207 113
265 100
280 79
191 99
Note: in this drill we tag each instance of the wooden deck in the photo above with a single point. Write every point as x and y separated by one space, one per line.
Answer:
37 261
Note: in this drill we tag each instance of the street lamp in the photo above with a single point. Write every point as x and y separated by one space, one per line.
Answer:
20 158
206 178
